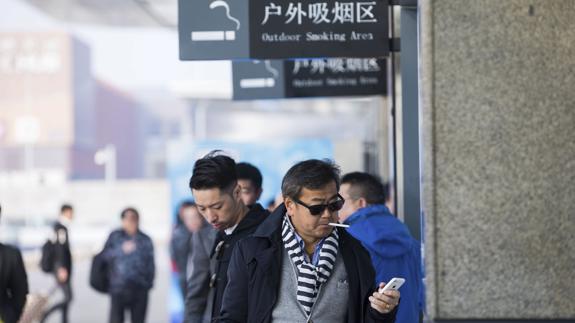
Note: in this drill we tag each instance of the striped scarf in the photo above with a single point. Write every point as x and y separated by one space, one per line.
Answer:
309 277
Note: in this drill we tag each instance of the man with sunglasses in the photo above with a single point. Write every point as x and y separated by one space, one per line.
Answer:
296 267
217 194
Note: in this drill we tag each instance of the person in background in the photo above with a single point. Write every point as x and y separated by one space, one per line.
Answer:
130 255
250 182
271 205
394 253
214 185
275 202
62 262
189 221
298 268
13 283
198 298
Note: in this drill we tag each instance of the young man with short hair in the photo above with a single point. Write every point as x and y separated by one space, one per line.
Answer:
393 251
214 185
250 181
298 268
62 262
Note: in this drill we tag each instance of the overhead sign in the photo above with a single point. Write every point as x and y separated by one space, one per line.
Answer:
308 78
282 29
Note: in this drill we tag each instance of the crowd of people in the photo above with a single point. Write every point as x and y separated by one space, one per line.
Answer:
128 253
322 254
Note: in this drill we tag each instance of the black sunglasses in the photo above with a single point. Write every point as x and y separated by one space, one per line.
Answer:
319 208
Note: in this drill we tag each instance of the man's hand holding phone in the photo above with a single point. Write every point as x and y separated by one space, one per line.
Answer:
387 296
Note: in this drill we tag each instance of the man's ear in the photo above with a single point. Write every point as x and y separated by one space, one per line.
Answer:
290 205
259 193
237 192
362 202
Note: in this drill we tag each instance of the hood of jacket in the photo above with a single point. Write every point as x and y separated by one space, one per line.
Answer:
380 231
255 216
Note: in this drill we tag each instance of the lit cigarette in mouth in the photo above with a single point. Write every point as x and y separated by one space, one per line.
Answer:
339 225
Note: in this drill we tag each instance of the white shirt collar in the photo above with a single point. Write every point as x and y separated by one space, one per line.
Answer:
230 230
64 221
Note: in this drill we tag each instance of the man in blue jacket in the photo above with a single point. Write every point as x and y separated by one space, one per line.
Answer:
394 253
130 253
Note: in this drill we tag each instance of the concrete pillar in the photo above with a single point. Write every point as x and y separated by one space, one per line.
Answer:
498 158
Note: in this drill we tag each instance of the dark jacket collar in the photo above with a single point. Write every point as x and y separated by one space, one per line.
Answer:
257 207
254 217
272 223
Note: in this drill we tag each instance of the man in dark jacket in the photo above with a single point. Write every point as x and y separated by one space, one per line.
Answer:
217 195
394 253
13 283
62 262
199 296
130 254
188 223
298 268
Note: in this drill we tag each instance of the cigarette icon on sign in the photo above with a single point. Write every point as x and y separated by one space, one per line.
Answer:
263 82
213 35
257 83
218 35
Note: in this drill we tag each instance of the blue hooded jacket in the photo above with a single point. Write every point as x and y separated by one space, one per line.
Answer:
394 253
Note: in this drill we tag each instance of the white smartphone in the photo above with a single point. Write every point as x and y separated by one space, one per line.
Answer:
393 284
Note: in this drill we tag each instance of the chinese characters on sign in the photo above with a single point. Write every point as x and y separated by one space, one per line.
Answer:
319 13
336 77
314 29
309 78
282 29
337 65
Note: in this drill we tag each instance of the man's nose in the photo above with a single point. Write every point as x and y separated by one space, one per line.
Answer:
326 214
211 215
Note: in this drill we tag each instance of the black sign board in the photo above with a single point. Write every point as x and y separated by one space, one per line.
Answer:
308 78
282 29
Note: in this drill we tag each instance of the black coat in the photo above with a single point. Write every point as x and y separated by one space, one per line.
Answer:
62 254
254 276
13 284
203 291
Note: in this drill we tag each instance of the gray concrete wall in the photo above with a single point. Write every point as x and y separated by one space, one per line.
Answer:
498 151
